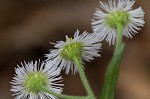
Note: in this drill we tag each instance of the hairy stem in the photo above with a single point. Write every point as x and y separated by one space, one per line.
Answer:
84 78
119 35
112 72
62 96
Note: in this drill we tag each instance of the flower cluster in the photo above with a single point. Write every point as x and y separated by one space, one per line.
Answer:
32 78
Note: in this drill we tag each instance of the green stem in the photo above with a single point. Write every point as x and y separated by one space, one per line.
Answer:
111 75
112 72
119 35
84 78
61 95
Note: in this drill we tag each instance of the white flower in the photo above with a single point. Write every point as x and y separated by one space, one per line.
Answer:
84 46
27 78
105 20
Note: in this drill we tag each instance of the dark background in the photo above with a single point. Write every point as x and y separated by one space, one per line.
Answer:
27 27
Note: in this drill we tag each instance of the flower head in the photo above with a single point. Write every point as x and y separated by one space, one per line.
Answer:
31 76
84 46
117 11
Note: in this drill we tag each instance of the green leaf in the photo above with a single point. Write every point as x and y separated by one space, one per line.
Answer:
111 76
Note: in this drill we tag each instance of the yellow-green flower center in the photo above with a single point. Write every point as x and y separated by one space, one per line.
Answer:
74 50
117 17
34 81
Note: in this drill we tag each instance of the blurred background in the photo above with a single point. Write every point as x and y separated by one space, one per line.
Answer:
27 27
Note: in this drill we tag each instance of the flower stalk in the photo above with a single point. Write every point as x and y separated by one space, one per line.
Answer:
112 72
62 96
84 78
119 35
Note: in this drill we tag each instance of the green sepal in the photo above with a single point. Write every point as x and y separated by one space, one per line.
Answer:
34 80
72 50
114 18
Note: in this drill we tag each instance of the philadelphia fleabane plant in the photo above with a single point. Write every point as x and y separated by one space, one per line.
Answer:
42 80
70 54
111 22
